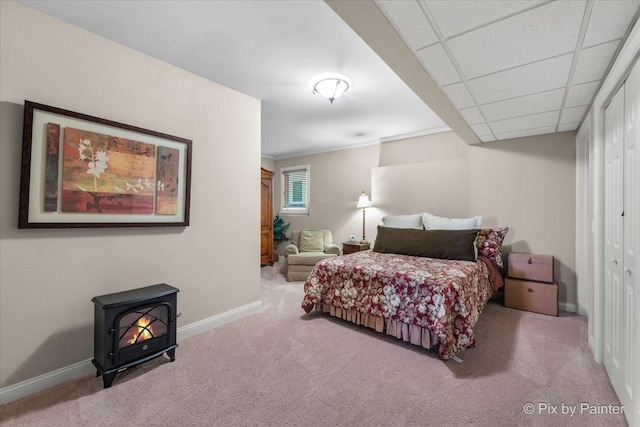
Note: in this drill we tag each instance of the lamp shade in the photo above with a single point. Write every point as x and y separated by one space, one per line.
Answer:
331 88
363 201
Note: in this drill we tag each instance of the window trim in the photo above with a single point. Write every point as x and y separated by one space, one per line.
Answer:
288 210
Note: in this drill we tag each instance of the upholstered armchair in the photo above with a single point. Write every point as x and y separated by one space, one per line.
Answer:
306 249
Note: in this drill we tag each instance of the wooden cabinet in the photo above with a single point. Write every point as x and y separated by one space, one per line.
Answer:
266 217
349 248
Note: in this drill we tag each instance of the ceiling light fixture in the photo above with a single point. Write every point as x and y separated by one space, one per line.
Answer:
331 88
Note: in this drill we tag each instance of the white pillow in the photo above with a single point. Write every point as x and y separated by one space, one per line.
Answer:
403 221
432 222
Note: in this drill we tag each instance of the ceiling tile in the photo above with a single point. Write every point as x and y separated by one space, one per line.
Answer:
472 115
581 94
527 122
568 126
481 129
609 21
594 61
526 80
527 132
573 114
437 62
487 138
540 33
455 16
410 21
524 105
459 96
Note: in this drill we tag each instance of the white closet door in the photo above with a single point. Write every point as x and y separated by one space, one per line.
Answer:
632 236
615 325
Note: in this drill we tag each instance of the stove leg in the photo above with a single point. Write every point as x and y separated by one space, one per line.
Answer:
108 379
172 354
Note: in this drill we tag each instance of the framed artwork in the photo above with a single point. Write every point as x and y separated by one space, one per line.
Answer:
80 171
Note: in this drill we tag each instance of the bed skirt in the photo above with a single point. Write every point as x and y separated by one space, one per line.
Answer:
413 334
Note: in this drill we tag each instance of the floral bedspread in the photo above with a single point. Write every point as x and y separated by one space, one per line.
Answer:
444 296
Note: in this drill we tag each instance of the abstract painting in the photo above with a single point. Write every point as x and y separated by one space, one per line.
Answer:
83 171
107 174
168 168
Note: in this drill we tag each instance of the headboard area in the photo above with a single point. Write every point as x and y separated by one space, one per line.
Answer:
440 188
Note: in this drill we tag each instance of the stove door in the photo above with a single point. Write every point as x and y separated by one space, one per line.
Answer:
141 331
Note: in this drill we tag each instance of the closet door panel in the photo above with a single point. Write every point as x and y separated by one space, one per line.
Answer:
615 308
632 231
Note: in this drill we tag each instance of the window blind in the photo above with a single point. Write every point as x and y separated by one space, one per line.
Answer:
295 188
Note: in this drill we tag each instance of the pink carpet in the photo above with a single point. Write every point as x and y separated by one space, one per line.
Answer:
281 367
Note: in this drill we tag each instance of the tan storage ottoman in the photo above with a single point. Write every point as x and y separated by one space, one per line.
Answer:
530 267
531 296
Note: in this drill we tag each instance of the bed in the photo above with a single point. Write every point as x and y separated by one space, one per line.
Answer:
433 302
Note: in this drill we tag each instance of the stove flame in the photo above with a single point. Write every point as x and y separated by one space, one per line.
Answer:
144 330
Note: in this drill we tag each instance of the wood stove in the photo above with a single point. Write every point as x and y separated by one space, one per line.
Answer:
132 327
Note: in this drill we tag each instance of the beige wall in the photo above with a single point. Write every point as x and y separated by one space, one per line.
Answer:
527 184
337 180
48 277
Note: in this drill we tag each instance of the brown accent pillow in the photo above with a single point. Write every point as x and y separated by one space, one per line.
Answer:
444 244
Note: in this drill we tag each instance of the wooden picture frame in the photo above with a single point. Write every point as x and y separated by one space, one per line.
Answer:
80 171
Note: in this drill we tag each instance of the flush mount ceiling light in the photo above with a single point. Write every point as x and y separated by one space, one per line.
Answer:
331 88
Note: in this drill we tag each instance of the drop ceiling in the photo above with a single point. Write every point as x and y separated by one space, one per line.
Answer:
515 68
505 69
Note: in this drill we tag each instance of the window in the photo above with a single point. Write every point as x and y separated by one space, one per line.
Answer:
295 189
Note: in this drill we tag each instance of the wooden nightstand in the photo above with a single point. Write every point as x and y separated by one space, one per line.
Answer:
349 248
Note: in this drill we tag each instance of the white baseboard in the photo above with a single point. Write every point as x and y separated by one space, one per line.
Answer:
218 320
41 382
567 306
85 367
